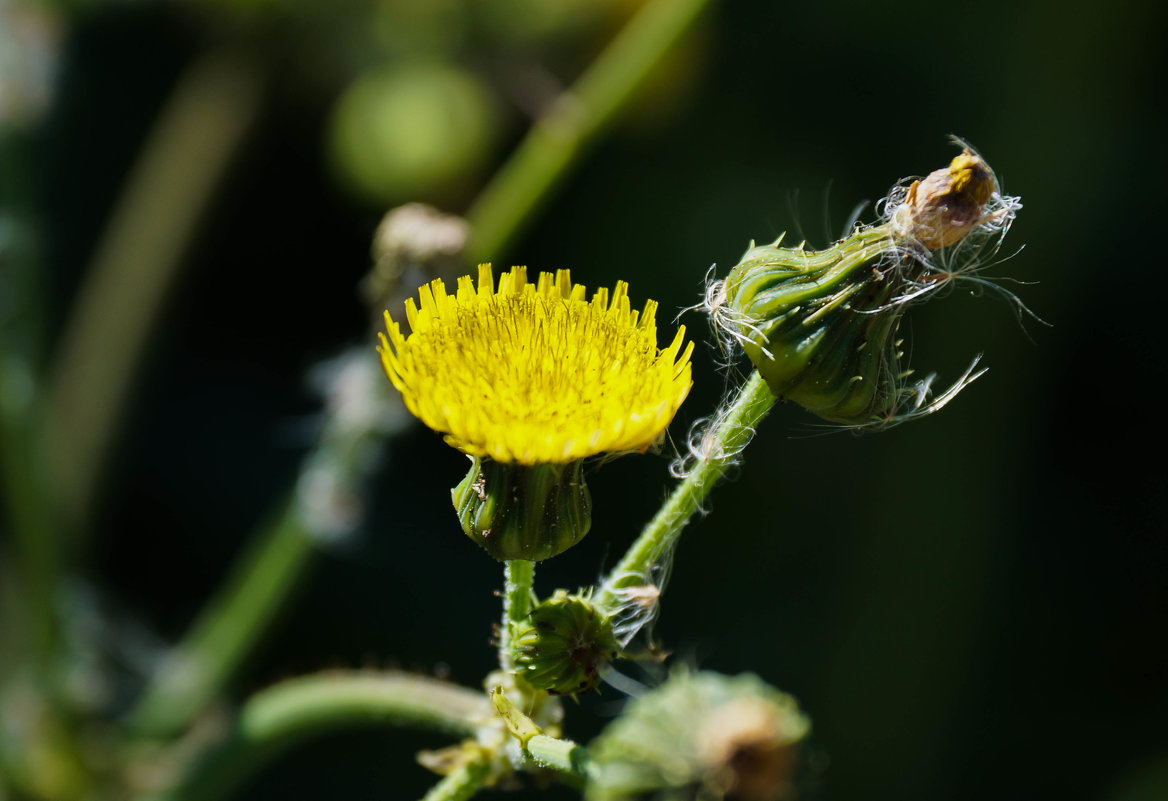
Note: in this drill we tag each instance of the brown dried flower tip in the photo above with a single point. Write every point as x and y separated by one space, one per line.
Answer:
947 204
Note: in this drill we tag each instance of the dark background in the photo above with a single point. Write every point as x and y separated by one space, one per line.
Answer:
970 606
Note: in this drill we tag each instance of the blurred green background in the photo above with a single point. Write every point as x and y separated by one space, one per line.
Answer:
971 606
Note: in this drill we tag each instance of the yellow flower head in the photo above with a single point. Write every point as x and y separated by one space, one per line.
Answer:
536 374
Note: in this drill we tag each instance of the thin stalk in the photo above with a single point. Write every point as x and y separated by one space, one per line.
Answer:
463 783
135 264
518 577
572 122
228 628
731 431
279 717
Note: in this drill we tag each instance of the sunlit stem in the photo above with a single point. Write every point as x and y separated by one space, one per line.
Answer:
720 447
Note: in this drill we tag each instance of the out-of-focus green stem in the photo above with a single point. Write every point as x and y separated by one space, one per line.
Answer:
572 122
288 713
463 783
325 505
227 629
722 444
183 162
33 534
518 577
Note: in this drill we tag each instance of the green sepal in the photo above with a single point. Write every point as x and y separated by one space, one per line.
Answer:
525 512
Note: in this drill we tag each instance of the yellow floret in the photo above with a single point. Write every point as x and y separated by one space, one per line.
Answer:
536 374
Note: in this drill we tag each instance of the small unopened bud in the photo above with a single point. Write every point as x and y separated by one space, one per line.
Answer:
949 203
820 325
701 735
564 645
530 512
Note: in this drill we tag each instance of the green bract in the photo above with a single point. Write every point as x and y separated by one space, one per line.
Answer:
530 512
820 325
563 646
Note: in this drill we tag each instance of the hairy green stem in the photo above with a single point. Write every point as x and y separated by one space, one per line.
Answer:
730 432
288 713
518 577
228 628
559 755
463 783
135 264
572 121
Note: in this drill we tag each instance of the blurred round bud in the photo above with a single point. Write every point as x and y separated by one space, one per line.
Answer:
701 736
530 512
413 245
564 645
410 132
819 325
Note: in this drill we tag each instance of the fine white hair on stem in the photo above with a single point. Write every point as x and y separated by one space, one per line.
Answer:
639 598
704 444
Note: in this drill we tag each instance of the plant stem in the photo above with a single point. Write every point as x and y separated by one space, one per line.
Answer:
24 498
518 576
722 443
35 540
564 756
135 264
463 783
572 121
288 713
228 627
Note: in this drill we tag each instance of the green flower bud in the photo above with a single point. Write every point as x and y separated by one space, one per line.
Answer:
530 512
564 645
701 736
820 326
